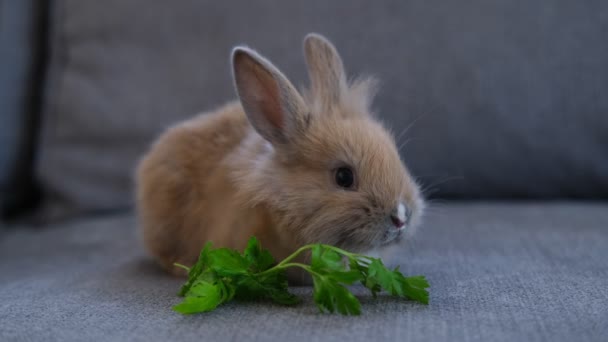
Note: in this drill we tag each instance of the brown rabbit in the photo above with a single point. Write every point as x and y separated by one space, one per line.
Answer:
290 169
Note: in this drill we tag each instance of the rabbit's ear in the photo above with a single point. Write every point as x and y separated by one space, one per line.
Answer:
325 69
274 107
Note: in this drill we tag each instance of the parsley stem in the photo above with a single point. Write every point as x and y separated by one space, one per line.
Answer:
295 254
181 266
287 261
348 254
297 264
283 266
335 249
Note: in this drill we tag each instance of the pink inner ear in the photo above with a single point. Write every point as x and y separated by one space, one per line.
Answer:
271 108
268 97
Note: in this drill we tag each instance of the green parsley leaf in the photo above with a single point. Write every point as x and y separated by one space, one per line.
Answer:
201 297
415 288
283 297
221 275
330 263
330 296
227 262
253 288
326 259
259 259
196 270
396 284
388 280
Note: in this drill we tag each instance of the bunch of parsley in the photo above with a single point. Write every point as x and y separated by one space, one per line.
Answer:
222 274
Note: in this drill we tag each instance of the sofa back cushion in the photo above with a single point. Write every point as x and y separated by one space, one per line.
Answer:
500 98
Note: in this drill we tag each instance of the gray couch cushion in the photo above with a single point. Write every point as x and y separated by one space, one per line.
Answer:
505 98
499 272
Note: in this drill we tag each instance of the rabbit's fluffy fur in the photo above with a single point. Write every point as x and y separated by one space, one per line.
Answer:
266 166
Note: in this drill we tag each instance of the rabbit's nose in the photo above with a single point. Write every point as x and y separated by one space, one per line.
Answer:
397 222
398 216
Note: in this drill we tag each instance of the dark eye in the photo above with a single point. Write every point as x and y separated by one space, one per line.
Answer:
345 177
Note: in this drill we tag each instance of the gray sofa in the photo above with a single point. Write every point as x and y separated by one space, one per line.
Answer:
506 109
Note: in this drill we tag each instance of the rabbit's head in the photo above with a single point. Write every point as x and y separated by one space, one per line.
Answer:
330 172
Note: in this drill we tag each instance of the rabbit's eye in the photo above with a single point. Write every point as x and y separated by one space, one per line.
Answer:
345 177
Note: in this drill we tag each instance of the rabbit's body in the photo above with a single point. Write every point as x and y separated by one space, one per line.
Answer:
286 168
186 192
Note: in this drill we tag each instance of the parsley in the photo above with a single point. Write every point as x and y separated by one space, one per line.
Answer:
221 275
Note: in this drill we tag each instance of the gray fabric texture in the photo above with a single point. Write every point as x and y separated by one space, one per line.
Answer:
19 26
503 98
499 272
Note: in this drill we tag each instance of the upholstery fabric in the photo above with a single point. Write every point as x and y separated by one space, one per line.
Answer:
502 98
498 272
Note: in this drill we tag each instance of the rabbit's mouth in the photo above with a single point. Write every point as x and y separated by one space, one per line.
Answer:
369 235
392 235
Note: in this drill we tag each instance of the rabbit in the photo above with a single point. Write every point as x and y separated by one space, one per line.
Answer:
287 167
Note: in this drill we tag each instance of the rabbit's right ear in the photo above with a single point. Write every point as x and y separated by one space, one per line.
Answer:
325 69
272 104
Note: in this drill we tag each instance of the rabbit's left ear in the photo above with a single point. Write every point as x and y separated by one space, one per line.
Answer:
325 70
272 104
